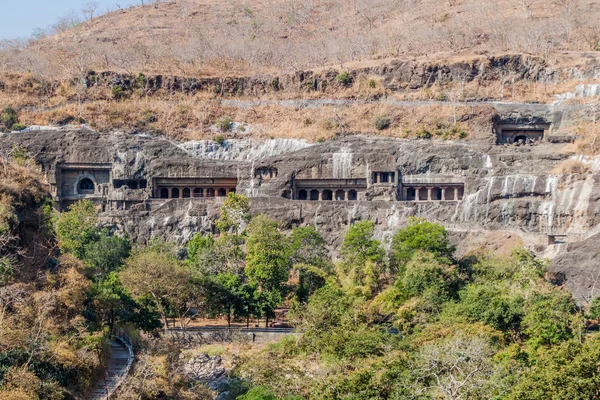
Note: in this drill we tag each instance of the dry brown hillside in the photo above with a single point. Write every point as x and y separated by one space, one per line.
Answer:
214 37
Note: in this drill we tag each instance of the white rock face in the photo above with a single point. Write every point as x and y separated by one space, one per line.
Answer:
243 149
581 91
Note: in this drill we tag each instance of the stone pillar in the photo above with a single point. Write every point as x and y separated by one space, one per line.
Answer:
443 189
376 180
181 193
320 194
428 194
455 194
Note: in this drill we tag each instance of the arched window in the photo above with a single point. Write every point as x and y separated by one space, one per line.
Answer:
314 194
222 192
175 193
352 195
198 192
164 193
86 186
302 195
411 194
186 193
232 190
327 195
210 192
340 194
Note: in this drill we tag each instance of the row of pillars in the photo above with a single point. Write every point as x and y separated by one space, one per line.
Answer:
444 193
183 193
327 194
383 177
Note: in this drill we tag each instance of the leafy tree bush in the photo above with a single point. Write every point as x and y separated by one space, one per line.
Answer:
382 122
567 371
159 276
359 246
111 305
427 274
267 262
224 124
8 118
548 317
234 214
106 255
344 78
258 393
493 305
310 259
594 312
77 228
198 246
421 235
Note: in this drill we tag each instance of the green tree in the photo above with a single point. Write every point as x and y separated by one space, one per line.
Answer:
198 247
493 305
111 305
258 393
106 255
234 214
227 296
160 276
310 259
77 227
429 277
267 262
548 317
308 247
595 308
8 118
568 371
359 246
421 235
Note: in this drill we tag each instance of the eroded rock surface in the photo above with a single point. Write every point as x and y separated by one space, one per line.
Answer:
507 188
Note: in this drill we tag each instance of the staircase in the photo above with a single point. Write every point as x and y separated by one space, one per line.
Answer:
119 364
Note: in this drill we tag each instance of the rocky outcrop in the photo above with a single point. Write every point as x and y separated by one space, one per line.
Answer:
507 188
578 268
399 74
207 370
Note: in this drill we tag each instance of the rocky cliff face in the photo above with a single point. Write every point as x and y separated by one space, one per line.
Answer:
506 188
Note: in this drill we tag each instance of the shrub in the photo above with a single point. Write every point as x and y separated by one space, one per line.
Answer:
421 235
18 127
8 118
344 78
595 308
220 140
258 393
423 133
140 81
382 122
224 124
372 83
117 92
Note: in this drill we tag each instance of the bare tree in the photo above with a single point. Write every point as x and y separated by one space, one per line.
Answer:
455 368
89 10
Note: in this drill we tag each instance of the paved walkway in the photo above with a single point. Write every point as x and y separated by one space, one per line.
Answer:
119 363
